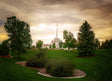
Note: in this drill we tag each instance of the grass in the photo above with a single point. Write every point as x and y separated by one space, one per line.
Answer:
98 68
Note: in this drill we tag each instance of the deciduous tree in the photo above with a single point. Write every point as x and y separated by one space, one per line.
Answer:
54 46
39 44
19 34
70 41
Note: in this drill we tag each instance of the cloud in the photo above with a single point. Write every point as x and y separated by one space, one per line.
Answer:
70 12
1 23
3 34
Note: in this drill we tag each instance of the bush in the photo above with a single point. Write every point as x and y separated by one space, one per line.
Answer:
4 49
60 68
41 53
36 62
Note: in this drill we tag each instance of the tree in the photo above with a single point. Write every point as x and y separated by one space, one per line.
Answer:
106 44
111 43
70 41
86 38
53 46
97 43
61 44
33 47
4 48
39 44
64 45
19 34
50 46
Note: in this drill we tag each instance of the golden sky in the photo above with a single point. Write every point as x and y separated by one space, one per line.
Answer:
43 15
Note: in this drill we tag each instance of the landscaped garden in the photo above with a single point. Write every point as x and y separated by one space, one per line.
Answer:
97 68
85 59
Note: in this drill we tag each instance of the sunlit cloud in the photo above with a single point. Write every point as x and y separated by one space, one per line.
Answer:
43 15
3 36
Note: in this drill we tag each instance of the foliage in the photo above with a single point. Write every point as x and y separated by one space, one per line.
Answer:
4 48
64 45
70 41
61 44
39 44
61 67
106 44
19 34
33 47
36 62
53 46
86 45
41 53
50 46
97 43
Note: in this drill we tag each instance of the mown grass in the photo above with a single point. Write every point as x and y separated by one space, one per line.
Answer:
98 68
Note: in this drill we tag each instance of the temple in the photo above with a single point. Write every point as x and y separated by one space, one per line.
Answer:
56 39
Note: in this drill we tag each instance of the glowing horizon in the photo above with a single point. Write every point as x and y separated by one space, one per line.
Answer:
50 31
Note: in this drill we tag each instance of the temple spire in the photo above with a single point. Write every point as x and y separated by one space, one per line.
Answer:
57 31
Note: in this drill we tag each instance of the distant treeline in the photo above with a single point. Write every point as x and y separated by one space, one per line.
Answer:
106 44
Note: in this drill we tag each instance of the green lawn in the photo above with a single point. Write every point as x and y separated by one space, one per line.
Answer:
98 68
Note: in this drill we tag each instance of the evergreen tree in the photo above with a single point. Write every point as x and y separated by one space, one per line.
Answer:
50 46
19 34
111 43
39 44
54 46
106 44
86 45
61 44
70 41
97 43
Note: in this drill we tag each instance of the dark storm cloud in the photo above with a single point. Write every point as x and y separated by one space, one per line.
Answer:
52 2
24 5
95 8
31 6
105 9
5 13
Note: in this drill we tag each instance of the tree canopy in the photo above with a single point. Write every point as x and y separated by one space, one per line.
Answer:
39 44
19 34
70 41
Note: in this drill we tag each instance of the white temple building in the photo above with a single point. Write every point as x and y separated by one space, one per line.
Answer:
56 40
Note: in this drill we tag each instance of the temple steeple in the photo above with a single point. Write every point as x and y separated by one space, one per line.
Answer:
57 31
56 40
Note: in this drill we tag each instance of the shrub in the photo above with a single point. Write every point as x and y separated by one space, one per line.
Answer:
41 53
4 49
60 67
36 62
